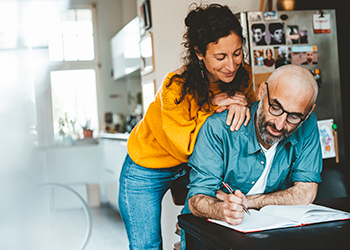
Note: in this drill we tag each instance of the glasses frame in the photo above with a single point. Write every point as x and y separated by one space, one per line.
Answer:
283 111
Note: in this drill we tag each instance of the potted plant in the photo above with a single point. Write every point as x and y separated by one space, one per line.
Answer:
87 131
66 130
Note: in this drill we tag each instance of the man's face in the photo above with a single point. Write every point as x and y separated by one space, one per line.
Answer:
309 56
277 35
267 127
258 35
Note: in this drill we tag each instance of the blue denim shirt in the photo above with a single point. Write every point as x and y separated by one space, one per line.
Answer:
237 158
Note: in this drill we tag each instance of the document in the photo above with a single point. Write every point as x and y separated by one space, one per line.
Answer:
277 216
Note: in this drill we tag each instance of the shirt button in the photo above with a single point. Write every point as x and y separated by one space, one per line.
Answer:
253 182
262 162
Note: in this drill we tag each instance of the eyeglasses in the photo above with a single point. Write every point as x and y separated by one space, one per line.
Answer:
276 110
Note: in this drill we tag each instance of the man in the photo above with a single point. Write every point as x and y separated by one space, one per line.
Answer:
277 33
258 31
309 58
275 160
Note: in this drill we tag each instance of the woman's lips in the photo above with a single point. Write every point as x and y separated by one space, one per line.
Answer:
228 74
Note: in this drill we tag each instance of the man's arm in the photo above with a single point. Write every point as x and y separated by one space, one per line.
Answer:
229 209
302 193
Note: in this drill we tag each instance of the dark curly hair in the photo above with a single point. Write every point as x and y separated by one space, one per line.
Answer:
207 24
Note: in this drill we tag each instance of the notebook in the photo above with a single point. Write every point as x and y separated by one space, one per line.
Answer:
277 216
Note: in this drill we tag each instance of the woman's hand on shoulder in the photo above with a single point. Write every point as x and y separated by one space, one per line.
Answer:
238 111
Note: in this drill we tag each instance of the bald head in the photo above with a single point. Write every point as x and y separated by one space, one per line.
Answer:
286 100
298 80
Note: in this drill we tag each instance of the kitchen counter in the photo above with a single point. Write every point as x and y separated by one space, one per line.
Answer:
116 136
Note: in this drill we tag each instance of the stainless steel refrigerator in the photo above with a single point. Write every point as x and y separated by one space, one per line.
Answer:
305 38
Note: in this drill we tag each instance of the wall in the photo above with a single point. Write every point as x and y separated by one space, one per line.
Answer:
168 28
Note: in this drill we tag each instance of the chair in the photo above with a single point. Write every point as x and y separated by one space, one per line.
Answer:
333 183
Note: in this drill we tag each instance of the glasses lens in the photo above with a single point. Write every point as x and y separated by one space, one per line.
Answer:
275 110
293 119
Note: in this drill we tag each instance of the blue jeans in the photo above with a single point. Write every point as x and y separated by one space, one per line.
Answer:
140 201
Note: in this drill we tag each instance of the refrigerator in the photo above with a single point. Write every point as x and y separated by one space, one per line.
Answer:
308 39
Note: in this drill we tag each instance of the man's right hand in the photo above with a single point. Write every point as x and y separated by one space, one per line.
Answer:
232 207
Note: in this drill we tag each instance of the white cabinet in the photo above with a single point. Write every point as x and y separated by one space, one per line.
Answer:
112 153
126 49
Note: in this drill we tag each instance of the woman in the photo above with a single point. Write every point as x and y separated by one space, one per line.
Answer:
269 61
159 146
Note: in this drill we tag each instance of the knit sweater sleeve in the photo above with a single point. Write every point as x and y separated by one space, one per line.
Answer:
180 122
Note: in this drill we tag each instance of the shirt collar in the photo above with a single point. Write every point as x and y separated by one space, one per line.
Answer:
253 143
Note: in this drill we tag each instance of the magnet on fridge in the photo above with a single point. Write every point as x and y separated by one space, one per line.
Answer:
317 75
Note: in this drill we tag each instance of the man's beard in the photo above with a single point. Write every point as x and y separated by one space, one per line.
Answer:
265 134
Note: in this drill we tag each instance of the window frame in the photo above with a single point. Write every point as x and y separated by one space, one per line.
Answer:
43 92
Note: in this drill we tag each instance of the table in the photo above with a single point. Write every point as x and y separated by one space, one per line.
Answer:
204 235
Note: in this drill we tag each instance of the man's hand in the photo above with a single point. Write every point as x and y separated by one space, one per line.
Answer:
229 209
232 207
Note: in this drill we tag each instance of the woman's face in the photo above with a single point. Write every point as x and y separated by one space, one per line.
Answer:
269 53
223 58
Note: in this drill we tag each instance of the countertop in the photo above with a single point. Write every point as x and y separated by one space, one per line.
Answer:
116 136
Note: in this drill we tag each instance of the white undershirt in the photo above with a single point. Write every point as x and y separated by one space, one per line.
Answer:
260 185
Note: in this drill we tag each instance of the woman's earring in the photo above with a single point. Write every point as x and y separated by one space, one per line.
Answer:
201 66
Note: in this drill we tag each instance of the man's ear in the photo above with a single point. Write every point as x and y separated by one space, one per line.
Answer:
262 89
313 107
198 53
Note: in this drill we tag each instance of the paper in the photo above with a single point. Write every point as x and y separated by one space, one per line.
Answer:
274 216
327 138
322 23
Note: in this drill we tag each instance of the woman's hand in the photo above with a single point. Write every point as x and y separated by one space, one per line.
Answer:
238 112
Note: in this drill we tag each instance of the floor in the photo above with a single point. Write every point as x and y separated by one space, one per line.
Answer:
108 230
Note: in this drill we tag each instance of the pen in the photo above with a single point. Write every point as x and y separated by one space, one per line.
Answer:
231 191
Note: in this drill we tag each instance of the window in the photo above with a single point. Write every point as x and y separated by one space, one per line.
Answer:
73 91
71 36
73 98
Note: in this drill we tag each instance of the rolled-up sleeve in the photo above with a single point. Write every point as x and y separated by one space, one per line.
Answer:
206 162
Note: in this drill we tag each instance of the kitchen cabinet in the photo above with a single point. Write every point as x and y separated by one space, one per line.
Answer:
126 50
112 154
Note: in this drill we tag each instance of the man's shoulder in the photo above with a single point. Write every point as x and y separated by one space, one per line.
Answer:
217 121
309 126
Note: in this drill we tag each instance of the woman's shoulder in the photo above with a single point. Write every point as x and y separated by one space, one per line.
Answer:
171 89
247 67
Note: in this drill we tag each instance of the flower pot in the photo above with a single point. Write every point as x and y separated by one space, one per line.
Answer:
87 133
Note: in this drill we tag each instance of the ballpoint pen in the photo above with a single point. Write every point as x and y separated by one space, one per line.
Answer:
231 191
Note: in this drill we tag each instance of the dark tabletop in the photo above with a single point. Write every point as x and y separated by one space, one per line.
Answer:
327 235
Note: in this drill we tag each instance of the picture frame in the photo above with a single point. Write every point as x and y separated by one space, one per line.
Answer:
145 17
148 94
146 54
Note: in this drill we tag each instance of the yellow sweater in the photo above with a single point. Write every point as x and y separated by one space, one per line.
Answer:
166 136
